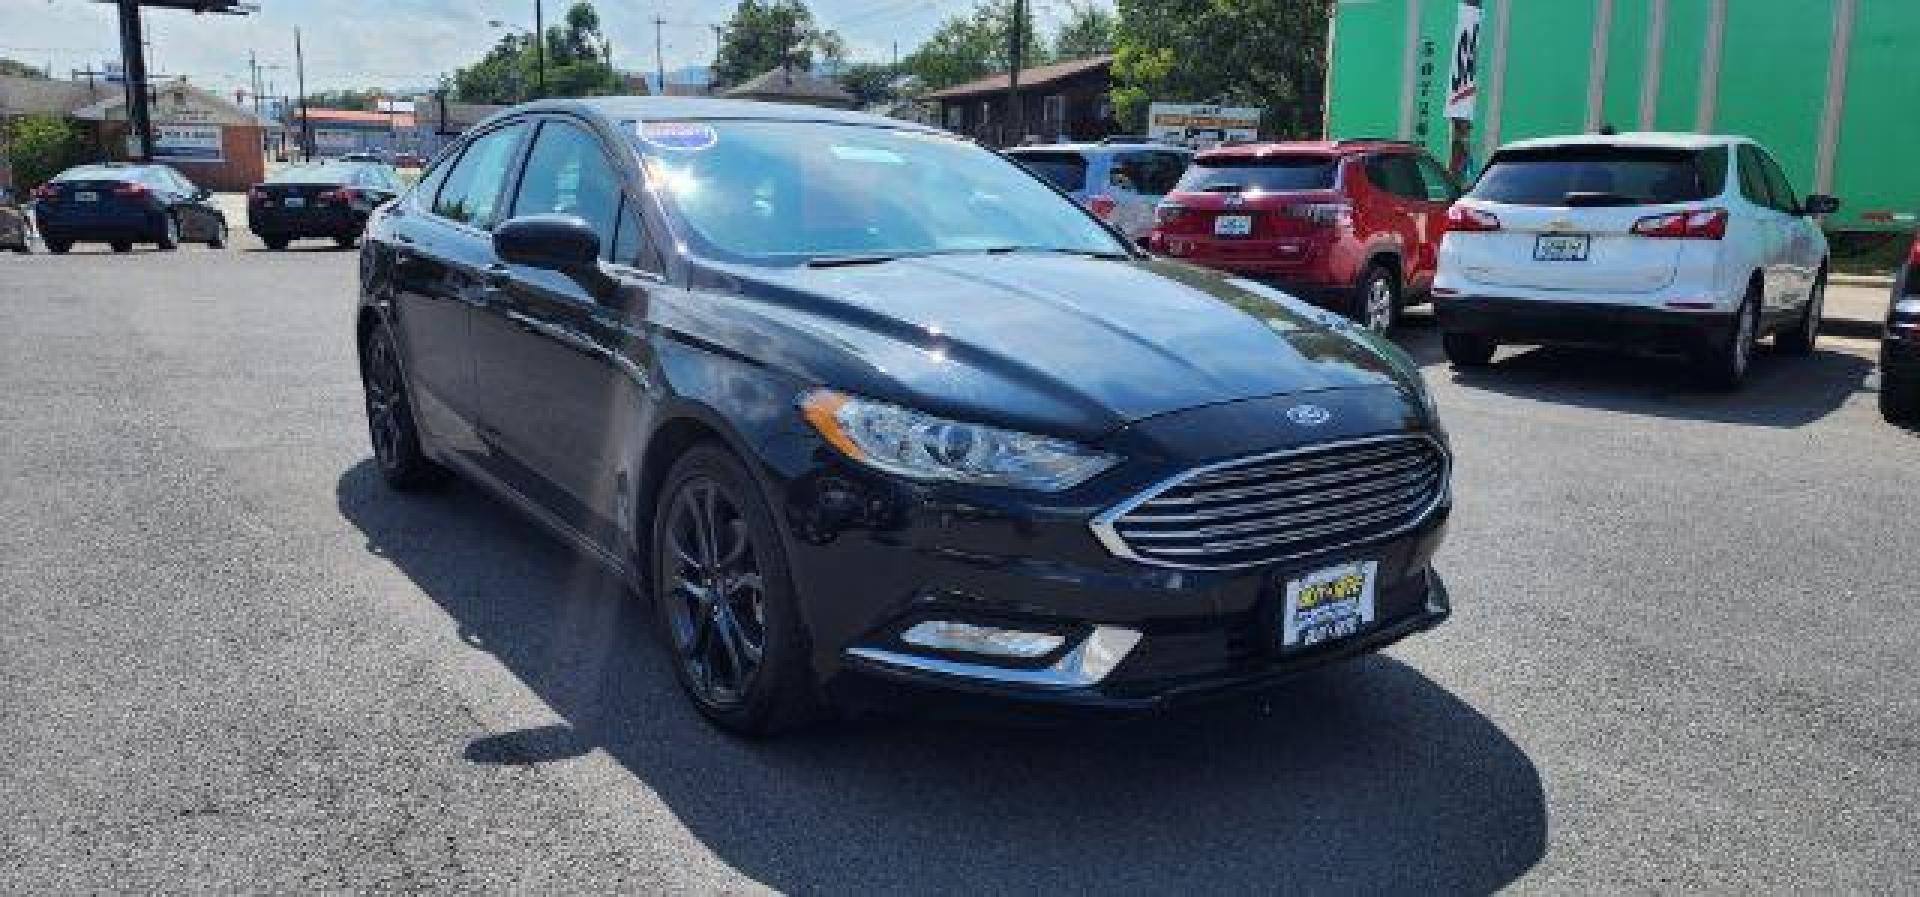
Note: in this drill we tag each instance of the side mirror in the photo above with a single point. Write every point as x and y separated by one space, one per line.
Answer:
1820 204
558 242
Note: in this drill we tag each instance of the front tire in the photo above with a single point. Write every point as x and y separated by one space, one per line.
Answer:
1376 301
1468 350
396 442
1806 334
1725 366
219 238
122 245
169 234
725 601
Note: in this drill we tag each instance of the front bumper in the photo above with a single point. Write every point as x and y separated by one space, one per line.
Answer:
871 557
1583 323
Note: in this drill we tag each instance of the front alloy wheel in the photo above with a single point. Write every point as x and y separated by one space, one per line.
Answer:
724 599
1379 300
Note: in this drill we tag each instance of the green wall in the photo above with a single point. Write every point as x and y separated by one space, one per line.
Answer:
1772 85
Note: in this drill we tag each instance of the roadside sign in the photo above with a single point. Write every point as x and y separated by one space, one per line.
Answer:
182 143
1464 83
1200 125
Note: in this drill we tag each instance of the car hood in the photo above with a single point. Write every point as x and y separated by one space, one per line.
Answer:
1062 344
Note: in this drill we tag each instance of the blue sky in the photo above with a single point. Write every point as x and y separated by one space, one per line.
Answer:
408 43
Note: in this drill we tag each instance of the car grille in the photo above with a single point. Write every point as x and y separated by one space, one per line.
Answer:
1268 508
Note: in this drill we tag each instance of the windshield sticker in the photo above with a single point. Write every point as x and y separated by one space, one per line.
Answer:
680 136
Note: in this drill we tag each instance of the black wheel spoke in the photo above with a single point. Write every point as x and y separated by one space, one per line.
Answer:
715 592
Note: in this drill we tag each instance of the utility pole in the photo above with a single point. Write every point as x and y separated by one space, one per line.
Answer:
253 80
540 47
719 43
659 57
1016 125
134 60
306 123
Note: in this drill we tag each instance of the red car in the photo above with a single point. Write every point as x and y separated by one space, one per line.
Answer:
1354 225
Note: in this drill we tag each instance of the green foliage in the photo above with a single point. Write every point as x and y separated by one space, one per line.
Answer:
577 55
869 82
1089 30
42 146
18 69
356 100
1265 53
763 34
973 45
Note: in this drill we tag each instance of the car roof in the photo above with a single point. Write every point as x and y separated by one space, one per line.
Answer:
1107 148
1649 139
617 109
1308 147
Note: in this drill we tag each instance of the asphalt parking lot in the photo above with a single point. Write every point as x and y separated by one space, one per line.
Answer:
1683 656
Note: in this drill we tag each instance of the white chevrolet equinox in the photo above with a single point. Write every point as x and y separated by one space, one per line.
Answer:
1674 243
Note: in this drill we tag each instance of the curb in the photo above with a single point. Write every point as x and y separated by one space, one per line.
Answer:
1861 280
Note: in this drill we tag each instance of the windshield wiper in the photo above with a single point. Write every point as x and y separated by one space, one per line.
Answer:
846 261
1059 250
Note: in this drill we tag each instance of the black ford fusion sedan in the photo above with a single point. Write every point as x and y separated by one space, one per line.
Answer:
871 413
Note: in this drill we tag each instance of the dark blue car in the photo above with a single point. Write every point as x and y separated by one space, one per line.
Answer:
121 205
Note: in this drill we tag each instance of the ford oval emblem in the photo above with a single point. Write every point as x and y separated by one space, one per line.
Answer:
1309 415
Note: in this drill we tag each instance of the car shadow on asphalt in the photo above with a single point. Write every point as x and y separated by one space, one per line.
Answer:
1365 776
1781 391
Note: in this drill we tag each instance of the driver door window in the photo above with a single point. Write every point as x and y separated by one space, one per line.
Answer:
568 174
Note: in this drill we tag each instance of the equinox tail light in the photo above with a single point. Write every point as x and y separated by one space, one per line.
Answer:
1461 219
1101 206
1698 224
132 190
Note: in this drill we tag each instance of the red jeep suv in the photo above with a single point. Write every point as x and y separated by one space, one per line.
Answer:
1354 225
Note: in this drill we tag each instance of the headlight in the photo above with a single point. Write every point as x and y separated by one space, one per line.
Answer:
923 447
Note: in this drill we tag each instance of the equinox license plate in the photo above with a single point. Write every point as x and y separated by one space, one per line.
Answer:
1327 604
1561 247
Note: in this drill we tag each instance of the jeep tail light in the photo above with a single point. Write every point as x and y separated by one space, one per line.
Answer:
1698 224
1101 206
1461 219
1169 212
46 191
132 190
1325 214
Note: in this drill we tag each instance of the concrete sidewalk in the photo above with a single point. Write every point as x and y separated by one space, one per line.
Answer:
1856 311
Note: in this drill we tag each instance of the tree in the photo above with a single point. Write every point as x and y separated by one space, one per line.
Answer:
42 146
1087 31
1265 53
870 82
763 34
17 69
973 45
577 65
358 100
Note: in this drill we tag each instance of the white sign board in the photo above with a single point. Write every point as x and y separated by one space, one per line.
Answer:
1464 83
335 140
182 143
1199 125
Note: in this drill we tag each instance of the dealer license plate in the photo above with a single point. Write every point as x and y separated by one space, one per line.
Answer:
85 196
1329 603
294 202
1233 226
1562 247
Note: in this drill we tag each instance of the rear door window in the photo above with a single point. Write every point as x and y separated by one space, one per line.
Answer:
1784 198
1397 174
1065 170
1151 172
1278 174
1753 178
1602 175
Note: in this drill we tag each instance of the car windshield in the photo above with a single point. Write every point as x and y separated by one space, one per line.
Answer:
798 191
1602 175
1270 174
323 173
1066 170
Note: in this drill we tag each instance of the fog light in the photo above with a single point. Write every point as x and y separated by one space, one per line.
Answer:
946 635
